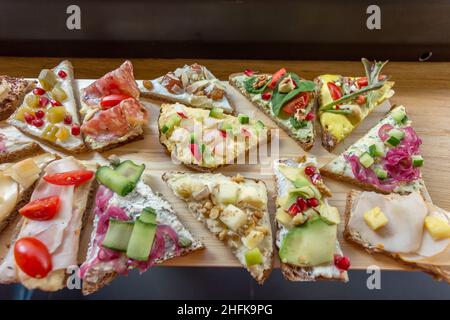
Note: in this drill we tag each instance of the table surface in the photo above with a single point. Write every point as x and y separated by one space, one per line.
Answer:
424 88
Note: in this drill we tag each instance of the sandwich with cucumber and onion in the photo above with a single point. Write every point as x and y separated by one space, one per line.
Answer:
133 227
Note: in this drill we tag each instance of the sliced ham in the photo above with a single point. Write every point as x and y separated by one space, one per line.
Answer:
116 121
119 81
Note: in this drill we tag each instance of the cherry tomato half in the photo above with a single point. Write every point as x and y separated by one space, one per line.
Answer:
276 77
69 178
112 100
32 257
41 209
298 102
335 91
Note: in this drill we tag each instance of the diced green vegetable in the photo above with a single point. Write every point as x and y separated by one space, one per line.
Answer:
148 215
259 126
173 121
141 240
226 125
118 234
381 173
376 150
417 160
396 133
114 181
392 142
243 118
297 124
130 170
398 115
253 256
216 113
366 160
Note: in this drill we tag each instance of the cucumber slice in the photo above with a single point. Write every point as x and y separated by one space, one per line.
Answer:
130 170
417 160
114 181
392 142
259 126
173 121
216 113
366 160
226 125
118 234
141 240
396 133
148 215
376 150
398 115
243 118
381 173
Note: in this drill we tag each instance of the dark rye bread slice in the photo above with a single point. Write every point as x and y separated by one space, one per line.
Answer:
105 277
305 145
30 149
18 87
437 272
204 169
296 273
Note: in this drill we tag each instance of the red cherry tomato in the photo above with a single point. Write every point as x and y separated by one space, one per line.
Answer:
32 257
335 91
41 209
70 178
112 100
298 102
276 77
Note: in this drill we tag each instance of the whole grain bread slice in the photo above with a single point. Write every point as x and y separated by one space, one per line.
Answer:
305 145
17 88
438 272
28 149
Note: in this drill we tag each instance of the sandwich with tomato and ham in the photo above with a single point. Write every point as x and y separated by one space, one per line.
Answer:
45 242
111 112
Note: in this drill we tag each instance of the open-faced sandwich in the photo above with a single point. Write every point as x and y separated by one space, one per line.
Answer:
306 224
111 111
48 234
133 227
194 86
387 159
344 102
234 210
14 145
49 112
12 91
285 97
404 227
207 139
16 184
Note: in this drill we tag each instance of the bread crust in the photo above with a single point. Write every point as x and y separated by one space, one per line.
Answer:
437 272
305 146
30 149
15 97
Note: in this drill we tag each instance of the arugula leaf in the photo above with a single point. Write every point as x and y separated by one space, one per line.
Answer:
248 85
297 124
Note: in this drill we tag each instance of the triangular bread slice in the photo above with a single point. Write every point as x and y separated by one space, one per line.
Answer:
99 274
192 85
234 210
14 145
204 141
12 91
58 103
338 121
291 177
400 231
344 167
301 125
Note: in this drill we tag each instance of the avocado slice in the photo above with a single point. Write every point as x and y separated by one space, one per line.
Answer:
329 214
310 244
291 173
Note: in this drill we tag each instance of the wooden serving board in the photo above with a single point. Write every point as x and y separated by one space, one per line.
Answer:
157 161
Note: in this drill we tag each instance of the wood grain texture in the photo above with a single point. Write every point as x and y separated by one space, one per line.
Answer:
424 88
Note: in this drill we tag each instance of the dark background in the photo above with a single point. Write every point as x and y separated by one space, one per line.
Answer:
334 30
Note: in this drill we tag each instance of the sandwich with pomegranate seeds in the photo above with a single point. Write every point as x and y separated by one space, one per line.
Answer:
12 91
285 97
194 86
50 112
111 112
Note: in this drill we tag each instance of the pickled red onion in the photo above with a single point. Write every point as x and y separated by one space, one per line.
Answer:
383 131
366 174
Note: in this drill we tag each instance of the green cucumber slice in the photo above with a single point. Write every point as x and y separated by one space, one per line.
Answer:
118 234
173 121
216 113
396 133
417 160
366 160
141 240
114 181
398 115
148 215
243 118
381 173
130 170
376 150
392 142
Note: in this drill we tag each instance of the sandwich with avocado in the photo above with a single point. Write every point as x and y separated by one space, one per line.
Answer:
306 224
344 102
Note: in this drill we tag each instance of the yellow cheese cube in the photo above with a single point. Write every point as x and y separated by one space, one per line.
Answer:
375 218
437 227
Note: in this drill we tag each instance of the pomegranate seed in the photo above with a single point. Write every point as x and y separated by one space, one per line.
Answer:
312 202
38 122
40 114
249 72
29 118
341 262
75 130
315 178
62 74
223 133
181 114
43 101
310 116
38 91
266 96
302 204
310 170
55 103
68 119
294 209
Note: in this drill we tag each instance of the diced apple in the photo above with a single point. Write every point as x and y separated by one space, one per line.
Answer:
226 193
437 227
252 195
233 217
253 256
375 218
284 218
252 239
